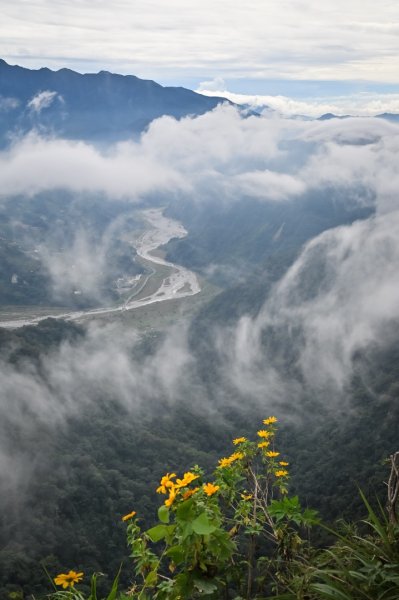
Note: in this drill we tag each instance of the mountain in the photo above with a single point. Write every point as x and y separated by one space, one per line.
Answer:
329 116
94 106
394 117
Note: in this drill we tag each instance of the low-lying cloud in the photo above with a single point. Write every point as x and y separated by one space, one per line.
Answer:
337 298
367 104
100 367
43 100
218 155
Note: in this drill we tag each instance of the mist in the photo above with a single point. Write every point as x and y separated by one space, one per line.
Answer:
220 153
337 297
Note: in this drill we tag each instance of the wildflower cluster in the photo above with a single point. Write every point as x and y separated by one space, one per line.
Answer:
179 489
226 462
209 529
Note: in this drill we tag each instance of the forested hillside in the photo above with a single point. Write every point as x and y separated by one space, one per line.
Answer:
90 469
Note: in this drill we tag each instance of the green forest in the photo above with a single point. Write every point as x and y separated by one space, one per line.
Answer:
105 461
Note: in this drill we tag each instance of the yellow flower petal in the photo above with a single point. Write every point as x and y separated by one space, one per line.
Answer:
172 497
263 444
263 433
190 493
270 420
281 473
239 440
129 516
187 479
68 579
210 488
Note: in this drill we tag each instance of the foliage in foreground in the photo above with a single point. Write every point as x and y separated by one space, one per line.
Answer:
240 535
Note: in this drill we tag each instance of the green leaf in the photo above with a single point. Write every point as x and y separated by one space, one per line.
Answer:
374 520
186 531
163 514
185 510
93 587
202 526
114 589
157 533
151 578
204 586
176 553
331 592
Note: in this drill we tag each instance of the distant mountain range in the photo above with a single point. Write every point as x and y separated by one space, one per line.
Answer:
95 106
387 116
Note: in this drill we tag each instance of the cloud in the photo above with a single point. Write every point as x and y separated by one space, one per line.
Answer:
7 103
217 155
50 164
43 100
78 267
213 85
336 298
269 185
98 367
291 39
339 296
362 105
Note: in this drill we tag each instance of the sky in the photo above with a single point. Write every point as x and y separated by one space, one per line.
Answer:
296 48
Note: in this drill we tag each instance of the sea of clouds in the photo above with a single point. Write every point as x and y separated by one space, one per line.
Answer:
223 156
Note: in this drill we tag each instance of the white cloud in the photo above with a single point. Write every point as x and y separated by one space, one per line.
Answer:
223 157
289 39
213 86
98 366
79 267
363 105
336 299
268 185
48 164
42 100
217 155
7 103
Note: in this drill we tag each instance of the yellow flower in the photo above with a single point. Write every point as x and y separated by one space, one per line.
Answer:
237 455
264 434
226 462
269 420
263 444
172 497
166 483
68 579
129 516
187 479
281 473
246 496
239 440
190 493
283 463
272 454
210 489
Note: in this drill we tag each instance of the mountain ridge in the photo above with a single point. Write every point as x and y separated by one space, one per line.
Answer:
99 106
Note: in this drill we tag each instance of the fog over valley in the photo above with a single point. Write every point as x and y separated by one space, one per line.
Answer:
173 270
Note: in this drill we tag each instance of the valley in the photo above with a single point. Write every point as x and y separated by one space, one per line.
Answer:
174 269
163 281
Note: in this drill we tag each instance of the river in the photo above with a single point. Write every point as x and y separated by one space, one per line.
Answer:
179 282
